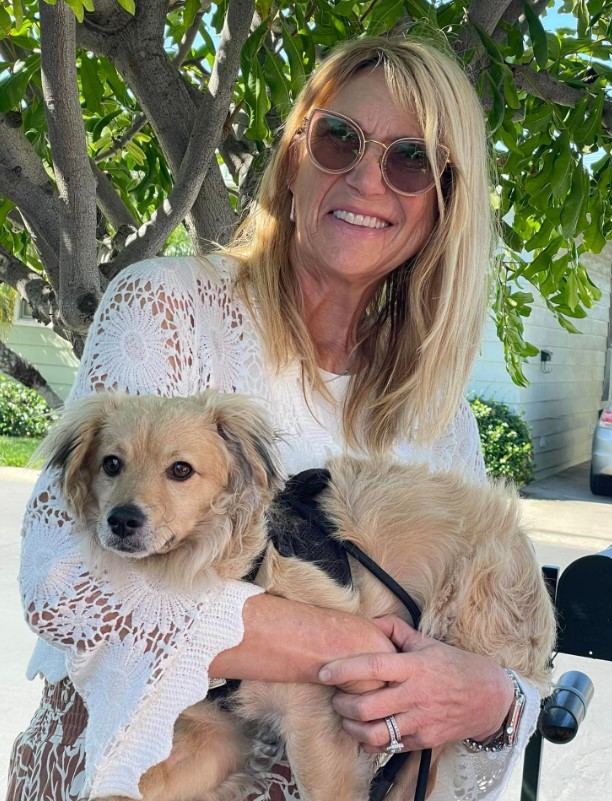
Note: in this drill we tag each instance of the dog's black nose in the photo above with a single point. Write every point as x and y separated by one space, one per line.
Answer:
124 521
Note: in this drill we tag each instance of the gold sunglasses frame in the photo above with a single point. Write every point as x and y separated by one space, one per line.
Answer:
382 161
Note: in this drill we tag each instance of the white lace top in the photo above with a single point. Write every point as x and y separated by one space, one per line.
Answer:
172 326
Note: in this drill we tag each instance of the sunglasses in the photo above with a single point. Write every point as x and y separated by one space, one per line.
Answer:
336 144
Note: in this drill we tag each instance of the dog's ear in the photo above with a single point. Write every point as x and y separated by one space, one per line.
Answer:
250 439
70 445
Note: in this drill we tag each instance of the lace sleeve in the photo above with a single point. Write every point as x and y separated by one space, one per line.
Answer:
127 637
464 776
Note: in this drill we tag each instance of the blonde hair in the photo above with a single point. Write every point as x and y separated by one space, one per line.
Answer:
419 336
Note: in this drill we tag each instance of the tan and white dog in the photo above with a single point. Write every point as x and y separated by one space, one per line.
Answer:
183 486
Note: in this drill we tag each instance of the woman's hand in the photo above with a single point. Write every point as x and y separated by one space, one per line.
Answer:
437 693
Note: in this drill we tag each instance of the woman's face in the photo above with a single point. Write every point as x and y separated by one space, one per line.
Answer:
330 240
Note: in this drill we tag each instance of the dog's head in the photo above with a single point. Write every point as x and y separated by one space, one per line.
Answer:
148 475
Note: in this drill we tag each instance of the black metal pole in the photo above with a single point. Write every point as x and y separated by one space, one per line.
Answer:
531 768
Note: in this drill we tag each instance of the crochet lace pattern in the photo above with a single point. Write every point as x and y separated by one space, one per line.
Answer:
138 651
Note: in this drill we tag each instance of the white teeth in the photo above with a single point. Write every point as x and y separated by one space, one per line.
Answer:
360 219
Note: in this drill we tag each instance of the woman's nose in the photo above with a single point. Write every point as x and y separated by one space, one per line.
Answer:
366 177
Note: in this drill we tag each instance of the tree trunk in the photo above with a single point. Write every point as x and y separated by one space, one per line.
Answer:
18 368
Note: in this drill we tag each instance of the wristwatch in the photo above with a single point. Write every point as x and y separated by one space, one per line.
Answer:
507 734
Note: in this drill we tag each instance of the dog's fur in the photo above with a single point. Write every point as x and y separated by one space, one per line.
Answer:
458 548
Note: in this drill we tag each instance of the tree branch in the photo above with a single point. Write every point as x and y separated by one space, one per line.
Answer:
16 366
189 36
110 201
23 180
167 99
34 202
485 13
30 286
516 11
206 133
79 277
541 84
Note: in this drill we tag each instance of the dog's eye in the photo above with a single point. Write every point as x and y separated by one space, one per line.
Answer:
180 471
112 465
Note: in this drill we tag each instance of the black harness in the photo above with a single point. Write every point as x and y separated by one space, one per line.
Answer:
310 537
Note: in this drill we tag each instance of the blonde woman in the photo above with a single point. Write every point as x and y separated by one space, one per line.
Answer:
351 304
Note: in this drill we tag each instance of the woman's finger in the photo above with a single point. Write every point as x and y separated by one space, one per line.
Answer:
374 736
385 667
374 705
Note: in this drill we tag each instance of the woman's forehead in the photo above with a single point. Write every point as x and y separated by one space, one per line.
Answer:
367 99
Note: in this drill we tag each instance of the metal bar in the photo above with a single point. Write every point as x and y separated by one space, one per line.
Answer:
531 769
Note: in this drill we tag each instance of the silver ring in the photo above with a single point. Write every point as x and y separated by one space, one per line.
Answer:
395 744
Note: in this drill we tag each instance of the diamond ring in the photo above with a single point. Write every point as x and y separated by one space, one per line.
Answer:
395 743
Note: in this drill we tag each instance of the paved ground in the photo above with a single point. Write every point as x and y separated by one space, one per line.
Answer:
562 510
567 522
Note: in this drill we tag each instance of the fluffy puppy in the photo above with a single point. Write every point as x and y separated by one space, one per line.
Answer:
200 472
180 488
460 550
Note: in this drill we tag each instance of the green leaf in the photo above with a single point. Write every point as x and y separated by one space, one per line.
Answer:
491 48
420 9
79 7
510 93
251 47
587 133
572 207
13 86
554 47
384 16
136 152
296 66
565 323
537 34
511 238
258 102
538 117
278 83
191 9
594 238
582 12
563 166
539 184
498 109
100 124
508 135
93 90
6 22
18 14
541 238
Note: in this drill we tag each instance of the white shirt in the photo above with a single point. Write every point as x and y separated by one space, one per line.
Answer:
174 326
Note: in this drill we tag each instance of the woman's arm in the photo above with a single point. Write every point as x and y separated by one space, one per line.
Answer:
291 641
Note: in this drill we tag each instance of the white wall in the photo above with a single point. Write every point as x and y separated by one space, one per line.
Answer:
560 406
50 354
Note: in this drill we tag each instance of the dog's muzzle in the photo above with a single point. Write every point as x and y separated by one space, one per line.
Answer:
125 524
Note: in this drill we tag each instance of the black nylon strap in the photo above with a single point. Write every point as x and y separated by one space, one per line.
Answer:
389 582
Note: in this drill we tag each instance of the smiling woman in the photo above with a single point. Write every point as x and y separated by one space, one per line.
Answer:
350 305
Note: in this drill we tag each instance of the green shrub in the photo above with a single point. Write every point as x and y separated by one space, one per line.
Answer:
505 440
23 412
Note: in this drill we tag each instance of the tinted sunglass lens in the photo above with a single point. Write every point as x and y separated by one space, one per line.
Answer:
408 168
334 143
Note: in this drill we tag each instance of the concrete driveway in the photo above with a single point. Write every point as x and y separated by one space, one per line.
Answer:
561 512
561 509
